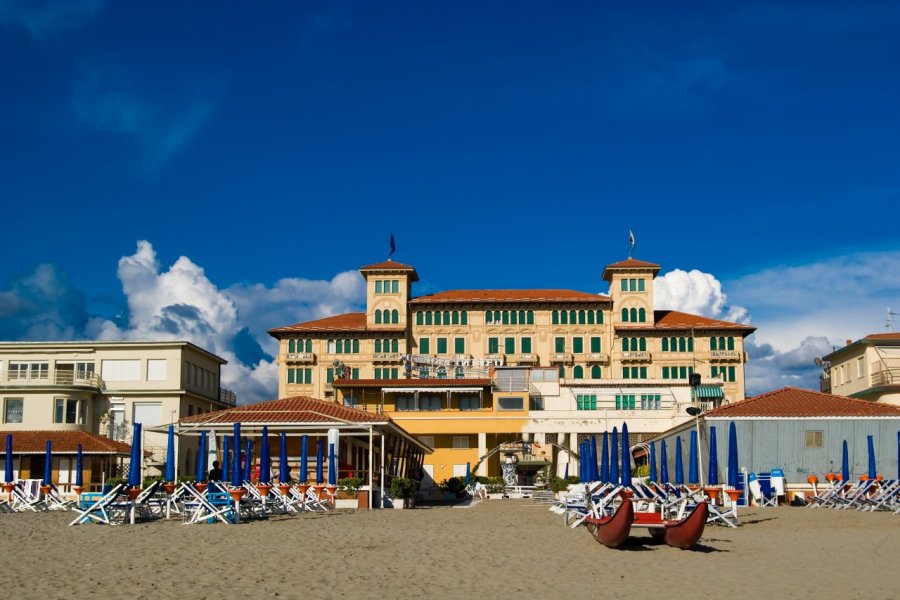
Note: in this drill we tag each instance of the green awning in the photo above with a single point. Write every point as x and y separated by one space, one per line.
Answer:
708 391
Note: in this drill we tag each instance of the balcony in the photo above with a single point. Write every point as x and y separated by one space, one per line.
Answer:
561 357
65 378
227 397
387 356
724 355
598 357
495 356
886 376
300 357
458 357
639 356
527 358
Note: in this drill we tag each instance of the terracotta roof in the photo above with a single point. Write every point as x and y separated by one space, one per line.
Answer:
460 296
296 410
629 263
390 265
883 336
345 322
673 319
796 402
64 442
358 383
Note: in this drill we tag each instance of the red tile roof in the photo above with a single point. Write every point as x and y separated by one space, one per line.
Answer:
390 265
432 382
294 410
673 319
794 402
345 322
64 442
480 296
883 336
629 263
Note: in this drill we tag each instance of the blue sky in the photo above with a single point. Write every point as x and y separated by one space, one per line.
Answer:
752 148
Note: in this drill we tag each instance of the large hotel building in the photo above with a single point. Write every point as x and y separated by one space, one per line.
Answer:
471 373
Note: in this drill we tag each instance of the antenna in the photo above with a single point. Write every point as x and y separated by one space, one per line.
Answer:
890 319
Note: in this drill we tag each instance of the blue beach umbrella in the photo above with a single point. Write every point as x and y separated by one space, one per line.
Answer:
614 457
604 458
734 479
265 458
48 465
226 458
663 463
653 474
248 459
303 475
170 455
79 470
200 473
236 456
845 463
871 442
693 470
320 460
679 462
468 473
626 457
7 471
582 462
713 478
595 471
332 468
567 472
134 466
283 471
898 455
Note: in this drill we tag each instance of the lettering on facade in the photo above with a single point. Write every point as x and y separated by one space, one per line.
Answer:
478 363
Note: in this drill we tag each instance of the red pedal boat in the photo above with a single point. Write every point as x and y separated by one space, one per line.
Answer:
678 534
612 531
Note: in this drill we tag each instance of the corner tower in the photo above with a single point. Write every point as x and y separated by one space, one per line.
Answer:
631 290
388 289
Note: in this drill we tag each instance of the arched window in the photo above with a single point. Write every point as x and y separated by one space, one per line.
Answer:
690 344
291 346
530 315
521 317
731 343
712 344
624 315
581 317
633 315
642 315
599 317
722 343
488 317
437 317
573 317
642 344
356 346
563 317
419 318
455 317
428 317
578 372
378 317
624 344
395 315
395 344
554 317
634 344
446 317
595 370
682 344
464 318
505 317
590 317
496 317
665 344
513 317
377 345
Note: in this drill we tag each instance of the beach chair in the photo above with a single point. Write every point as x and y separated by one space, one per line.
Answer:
884 499
54 500
854 497
597 504
100 510
215 505
761 490
27 496
779 484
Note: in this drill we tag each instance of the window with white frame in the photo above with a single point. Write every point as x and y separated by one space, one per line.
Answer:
861 366
67 410
121 370
460 442
156 369
12 410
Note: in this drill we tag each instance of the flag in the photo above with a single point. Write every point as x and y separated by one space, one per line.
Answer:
631 242
393 246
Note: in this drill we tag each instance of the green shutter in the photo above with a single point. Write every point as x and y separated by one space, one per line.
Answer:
464 318
509 345
290 375
459 345
526 345
377 286
560 344
442 345
424 346
578 345
493 345
595 344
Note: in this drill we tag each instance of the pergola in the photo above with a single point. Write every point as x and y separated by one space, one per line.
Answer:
399 455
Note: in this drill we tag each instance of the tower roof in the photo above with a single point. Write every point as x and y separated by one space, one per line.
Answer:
629 264
390 266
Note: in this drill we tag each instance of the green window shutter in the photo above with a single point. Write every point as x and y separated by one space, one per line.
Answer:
590 317
560 344
395 345
377 373
690 344
339 347
624 344
712 343
731 374
446 317
509 345
642 316
530 317
573 318
493 345
488 317
643 372
464 318
599 317
618 402
730 343
454 318
290 375
395 287
394 373
396 315
578 345
428 317
641 285
505 317
513 317
665 344
595 344
377 345
291 346
579 399
581 318
308 376
377 286
578 372
378 317
419 317
682 344
424 346
526 345
596 373
355 373
355 346
624 315
329 375
624 285
563 317
459 345
643 344
626 372
665 372
442 345
562 372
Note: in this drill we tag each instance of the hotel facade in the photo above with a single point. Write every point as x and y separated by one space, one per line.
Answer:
487 376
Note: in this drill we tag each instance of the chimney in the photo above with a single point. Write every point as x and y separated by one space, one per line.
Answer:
849 342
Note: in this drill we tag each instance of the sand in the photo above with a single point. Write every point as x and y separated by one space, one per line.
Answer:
494 549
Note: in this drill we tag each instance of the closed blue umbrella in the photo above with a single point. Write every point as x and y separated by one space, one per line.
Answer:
332 468
582 462
871 442
734 479
468 474
595 471
79 467
265 458
679 462
303 475
248 459
8 471
566 477
236 473
626 457
653 474
320 460
170 455
134 467
693 470
283 474
226 458
48 465
845 462
614 457
713 478
898 455
663 463
604 458
200 474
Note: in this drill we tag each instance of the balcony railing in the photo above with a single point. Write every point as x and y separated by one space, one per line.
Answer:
495 356
300 357
641 355
69 378
227 397
887 376
725 354
525 358
561 357
598 357
391 356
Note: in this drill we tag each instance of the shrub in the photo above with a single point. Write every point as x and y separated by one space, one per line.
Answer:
558 484
350 485
455 485
494 485
401 487
641 471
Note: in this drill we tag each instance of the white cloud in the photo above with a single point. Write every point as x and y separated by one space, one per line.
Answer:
697 293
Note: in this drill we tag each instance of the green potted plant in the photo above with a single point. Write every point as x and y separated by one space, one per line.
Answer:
348 492
403 491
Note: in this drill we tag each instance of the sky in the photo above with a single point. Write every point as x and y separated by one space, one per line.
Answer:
208 171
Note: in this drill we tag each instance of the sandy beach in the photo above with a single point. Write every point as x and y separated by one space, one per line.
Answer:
494 549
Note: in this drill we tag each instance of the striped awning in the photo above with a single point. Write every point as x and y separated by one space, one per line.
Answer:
708 391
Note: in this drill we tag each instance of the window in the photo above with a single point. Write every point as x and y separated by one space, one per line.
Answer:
815 439
12 410
578 372
624 285
529 317
509 345
121 370
329 376
428 317
650 401
406 402
595 344
377 286
156 369
578 345
469 402
488 317
425 345
625 401
641 285
526 345
511 403
642 315
428 440
395 287
554 317
624 315
460 442
493 345
586 402
459 345
430 401
860 367
560 344
464 318
442 345
419 318
596 373
24 370
66 410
